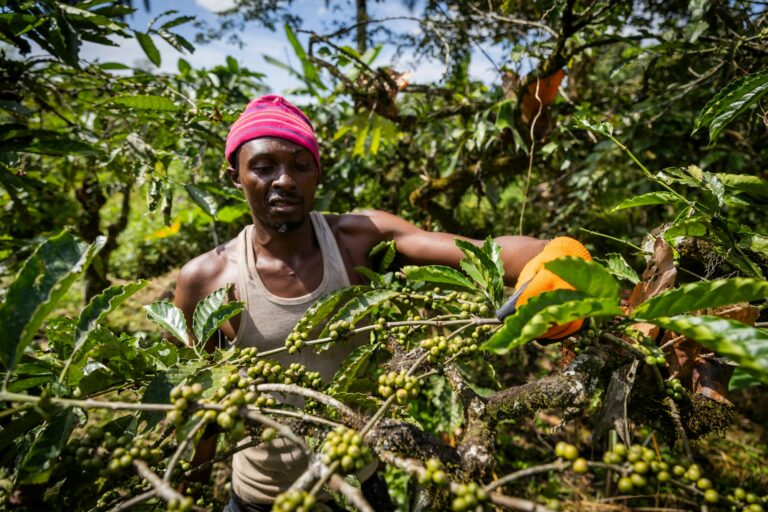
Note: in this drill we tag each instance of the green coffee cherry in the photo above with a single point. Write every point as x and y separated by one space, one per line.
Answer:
405 387
346 446
294 501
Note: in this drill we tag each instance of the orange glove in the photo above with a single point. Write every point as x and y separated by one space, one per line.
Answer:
535 279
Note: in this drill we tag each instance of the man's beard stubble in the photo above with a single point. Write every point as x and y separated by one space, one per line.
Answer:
284 227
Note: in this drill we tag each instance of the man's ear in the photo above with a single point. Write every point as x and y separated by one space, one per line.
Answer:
235 177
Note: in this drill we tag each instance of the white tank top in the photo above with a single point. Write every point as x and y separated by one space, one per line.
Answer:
262 472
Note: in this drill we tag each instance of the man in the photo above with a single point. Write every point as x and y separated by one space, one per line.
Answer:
290 256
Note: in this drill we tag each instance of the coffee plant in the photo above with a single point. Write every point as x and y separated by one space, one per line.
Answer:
127 424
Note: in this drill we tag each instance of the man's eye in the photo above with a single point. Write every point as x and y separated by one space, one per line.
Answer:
263 168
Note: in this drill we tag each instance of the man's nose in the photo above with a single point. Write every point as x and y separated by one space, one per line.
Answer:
283 178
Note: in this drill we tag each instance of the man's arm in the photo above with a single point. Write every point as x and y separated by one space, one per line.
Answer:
419 247
196 280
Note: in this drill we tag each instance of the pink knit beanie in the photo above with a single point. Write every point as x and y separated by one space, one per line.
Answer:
272 116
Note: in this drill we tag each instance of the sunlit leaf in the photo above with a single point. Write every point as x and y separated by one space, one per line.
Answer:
541 312
203 199
648 199
480 267
99 307
746 345
212 312
700 295
359 306
618 266
438 274
586 276
731 102
151 51
170 318
351 365
145 102
41 282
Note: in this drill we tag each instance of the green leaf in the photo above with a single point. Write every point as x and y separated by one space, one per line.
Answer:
326 304
310 72
35 467
212 312
203 199
41 282
742 380
586 276
145 102
618 266
536 316
145 40
179 43
99 307
648 199
170 318
744 344
18 428
704 294
746 183
493 250
480 267
387 247
351 365
438 274
360 306
731 102
603 128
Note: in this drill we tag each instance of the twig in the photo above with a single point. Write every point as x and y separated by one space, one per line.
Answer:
512 503
282 429
352 493
85 404
308 393
302 416
180 450
161 487
558 465
136 500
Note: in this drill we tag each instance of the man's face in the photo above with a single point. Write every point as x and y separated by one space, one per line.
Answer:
278 179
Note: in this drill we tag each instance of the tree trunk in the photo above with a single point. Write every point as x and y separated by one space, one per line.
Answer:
362 19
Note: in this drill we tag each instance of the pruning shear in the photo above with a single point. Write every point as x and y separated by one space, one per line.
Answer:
510 306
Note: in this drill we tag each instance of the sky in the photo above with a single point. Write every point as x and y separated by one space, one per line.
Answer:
259 41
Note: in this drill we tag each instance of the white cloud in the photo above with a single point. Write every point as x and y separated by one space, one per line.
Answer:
216 5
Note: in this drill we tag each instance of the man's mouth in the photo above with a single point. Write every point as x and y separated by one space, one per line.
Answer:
283 202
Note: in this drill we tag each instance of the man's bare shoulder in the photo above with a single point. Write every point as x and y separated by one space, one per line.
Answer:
209 271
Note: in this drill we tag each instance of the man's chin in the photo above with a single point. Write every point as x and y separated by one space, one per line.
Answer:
285 227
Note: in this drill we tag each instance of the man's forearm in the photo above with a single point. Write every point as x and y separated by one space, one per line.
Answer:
516 251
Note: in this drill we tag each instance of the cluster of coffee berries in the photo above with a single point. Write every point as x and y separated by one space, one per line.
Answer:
654 355
568 451
202 492
750 501
248 356
346 446
402 333
403 386
126 451
674 388
441 346
468 496
473 308
339 330
294 501
181 397
181 505
298 374
433 474
296 341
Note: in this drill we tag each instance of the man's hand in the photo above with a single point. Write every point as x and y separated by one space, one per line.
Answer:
535 279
